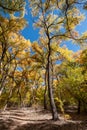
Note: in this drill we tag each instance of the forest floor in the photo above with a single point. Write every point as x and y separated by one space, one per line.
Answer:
39 119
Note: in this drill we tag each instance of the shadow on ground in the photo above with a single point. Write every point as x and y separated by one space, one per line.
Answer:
30 119
42 125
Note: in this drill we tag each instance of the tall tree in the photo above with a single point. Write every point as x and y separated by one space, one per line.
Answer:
57 21
12 44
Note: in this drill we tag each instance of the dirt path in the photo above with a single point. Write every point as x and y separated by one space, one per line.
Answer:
32 119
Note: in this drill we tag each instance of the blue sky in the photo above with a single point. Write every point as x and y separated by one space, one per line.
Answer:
30 32
33 34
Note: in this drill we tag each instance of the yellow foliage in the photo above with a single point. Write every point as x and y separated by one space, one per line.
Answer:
65 53
67 117
17 74
37 48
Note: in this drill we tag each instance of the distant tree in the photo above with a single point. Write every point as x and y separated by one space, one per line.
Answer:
71 85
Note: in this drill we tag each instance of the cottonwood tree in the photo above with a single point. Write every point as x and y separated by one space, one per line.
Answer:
57 21
12 44
71 83
39 57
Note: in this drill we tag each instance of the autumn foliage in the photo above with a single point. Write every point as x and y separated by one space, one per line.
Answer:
45 72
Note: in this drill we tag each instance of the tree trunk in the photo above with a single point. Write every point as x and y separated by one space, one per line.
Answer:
7 101
45 91
50 91
79 106
45 98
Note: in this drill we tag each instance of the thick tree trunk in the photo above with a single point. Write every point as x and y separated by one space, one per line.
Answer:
50 91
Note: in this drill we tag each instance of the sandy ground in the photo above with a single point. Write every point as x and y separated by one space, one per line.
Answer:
35 119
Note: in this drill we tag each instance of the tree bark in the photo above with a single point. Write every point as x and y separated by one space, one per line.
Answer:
45 91
45 98
50 90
